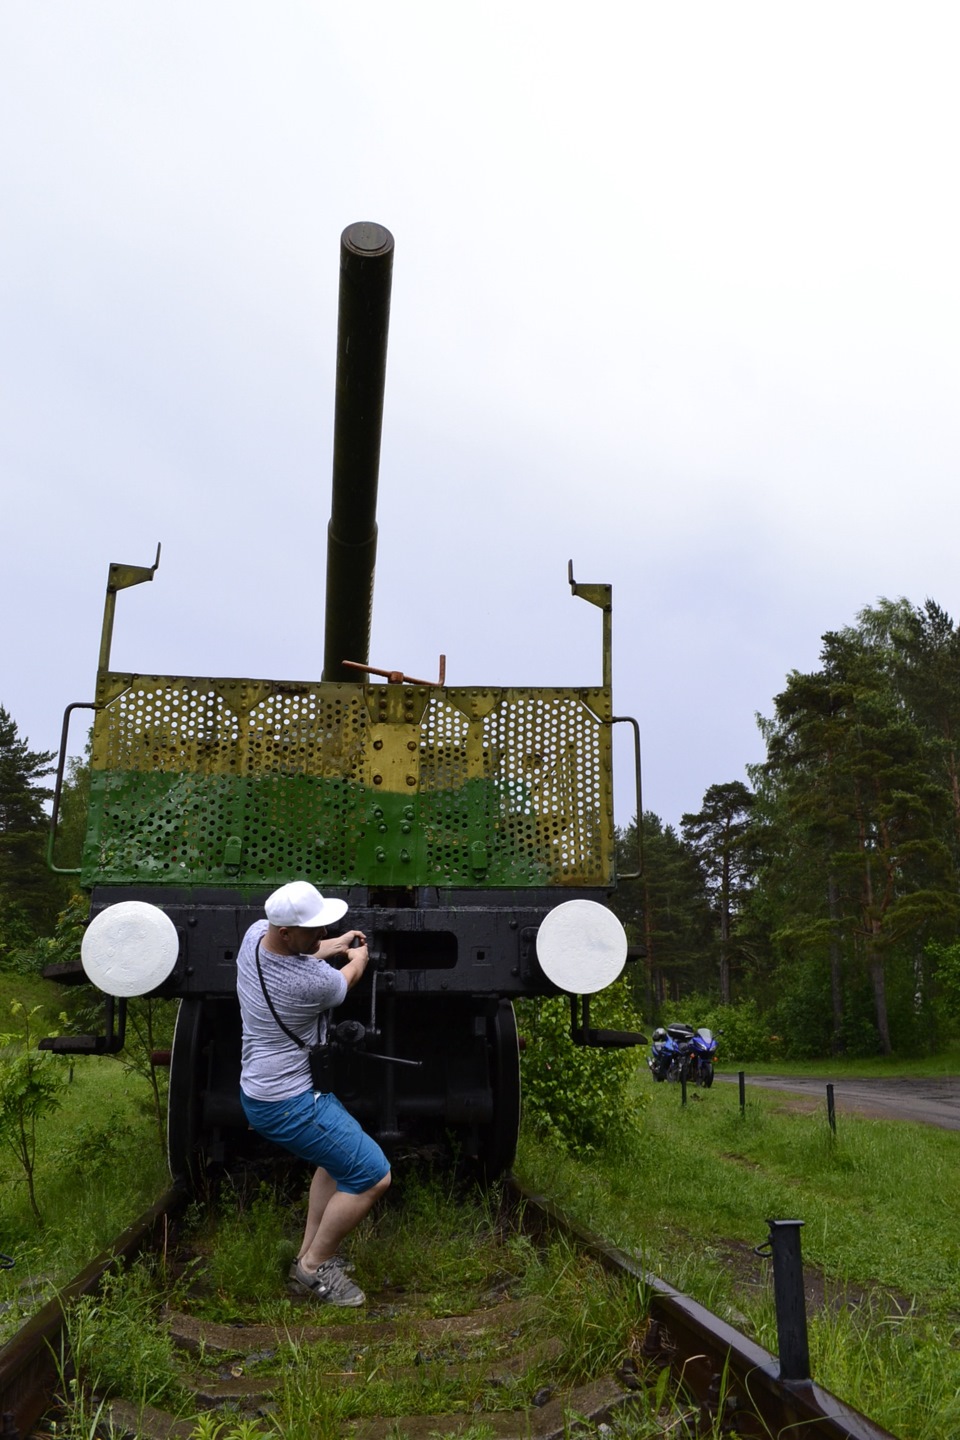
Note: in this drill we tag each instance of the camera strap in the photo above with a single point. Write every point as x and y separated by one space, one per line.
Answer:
266 995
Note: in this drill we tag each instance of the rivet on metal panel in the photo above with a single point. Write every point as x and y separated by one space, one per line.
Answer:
381 854
411 779
378 779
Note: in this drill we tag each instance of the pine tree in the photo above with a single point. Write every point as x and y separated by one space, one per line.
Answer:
852 775
29 894
667 913
720 835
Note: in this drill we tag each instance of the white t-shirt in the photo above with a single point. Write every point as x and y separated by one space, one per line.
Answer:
301 988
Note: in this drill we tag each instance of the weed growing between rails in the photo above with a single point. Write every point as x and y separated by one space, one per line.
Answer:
431 1235
118 1343
211 1427
467 1318
881 1242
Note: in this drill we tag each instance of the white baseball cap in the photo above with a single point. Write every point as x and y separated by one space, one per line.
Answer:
301 904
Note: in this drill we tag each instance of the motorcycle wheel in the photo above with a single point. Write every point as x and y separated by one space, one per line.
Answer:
707 1074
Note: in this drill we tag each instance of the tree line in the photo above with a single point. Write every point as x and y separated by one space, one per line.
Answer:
826 893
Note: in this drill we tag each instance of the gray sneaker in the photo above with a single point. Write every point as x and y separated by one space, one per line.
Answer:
347 1266
329 1284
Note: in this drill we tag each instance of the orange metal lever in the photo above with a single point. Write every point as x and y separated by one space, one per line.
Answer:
397 677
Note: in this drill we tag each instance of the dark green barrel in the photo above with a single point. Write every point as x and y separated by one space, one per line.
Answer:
366 271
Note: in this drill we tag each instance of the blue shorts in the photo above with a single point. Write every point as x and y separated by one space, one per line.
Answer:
318 1128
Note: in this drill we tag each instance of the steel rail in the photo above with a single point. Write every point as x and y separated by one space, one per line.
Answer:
724 1370
32 1361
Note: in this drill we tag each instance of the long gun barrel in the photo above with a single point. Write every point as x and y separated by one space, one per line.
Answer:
366 272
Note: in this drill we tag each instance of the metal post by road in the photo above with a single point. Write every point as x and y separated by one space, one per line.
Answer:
741 1077
789 1299
831 1110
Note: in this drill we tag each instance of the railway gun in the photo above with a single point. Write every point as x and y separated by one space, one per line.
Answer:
469 829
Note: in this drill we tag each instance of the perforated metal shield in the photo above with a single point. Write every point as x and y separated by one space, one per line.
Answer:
252 782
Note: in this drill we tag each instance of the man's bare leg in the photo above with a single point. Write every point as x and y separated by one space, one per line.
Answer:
339 1214
322 1188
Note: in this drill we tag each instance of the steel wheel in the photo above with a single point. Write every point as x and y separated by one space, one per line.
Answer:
205 1120
498 1140
183 1100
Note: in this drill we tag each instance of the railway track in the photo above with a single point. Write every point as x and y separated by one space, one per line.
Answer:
496 1365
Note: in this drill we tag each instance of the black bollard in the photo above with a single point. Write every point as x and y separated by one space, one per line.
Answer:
831 1110
741 1076
789 1299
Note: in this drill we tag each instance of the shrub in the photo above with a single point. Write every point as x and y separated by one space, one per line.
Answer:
572 1095
31 1085
944 964
95 1147
745 1032
802 1014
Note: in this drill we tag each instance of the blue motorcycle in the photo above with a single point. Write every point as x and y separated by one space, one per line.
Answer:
680 1052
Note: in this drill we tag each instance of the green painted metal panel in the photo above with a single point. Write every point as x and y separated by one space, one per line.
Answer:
249 783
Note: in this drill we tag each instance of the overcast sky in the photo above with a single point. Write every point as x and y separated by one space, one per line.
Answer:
675 294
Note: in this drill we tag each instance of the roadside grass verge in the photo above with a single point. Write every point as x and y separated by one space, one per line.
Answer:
881 1239
946 1062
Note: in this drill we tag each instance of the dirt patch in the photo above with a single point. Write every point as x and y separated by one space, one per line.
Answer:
736 1159
751 1278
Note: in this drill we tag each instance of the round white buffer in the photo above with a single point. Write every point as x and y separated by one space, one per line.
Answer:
581 946
129 948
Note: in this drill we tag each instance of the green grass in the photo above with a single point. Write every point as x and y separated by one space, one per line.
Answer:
430 1251
878 1067
99 1165
30 990
436 1247
692 1194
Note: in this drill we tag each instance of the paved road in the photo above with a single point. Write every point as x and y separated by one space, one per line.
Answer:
931 1102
